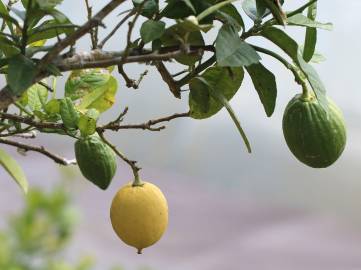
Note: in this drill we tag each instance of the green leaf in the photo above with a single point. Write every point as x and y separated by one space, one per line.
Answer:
310 44
48 4
37 97
230 15
14 169
21 74
82 82
53 106
218 96
314 80
49 29
7 18
60 17
69 114
264 82
227 80
152 30
177 9
317 58
231 51
250 8
282 40
301 20
255 9
3 9
190 5
213 9
150 8
275 8
191 24
173 36
88 122
101 98
288 45
8 47
311 35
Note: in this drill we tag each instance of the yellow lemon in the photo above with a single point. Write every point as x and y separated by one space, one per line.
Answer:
139 215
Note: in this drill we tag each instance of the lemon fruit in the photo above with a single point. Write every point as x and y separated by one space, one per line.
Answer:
139 215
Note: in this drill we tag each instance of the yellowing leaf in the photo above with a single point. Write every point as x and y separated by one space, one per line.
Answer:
101 98
38 43
92 88
88 122
37 97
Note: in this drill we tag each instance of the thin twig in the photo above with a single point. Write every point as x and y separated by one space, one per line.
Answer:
144 126
109 36
185 80
46 86
119 119
40 149
131 163
114 125
163 71
31 122
66 65
6 95
92 31
24 34
131 25
71 39
130 83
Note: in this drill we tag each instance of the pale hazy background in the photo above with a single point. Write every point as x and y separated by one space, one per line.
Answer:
228 209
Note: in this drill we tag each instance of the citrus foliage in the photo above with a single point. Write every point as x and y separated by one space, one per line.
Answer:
30 29
38 43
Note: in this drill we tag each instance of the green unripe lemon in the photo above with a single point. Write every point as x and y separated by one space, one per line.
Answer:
317 137
96 160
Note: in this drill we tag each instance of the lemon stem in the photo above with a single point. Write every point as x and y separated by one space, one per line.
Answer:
137 181
306 95
139 251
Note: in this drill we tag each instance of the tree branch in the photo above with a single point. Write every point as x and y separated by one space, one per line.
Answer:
114 125
39 149
173 87
93 22
130 14
131 163
6 97
105 60
31 122
145 126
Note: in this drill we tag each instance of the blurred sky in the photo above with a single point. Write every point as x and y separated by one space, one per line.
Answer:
209 154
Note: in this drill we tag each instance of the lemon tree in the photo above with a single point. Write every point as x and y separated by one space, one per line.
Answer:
39 43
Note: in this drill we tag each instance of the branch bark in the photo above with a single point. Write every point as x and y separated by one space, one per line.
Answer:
145 126
40 149
114 125
6 97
